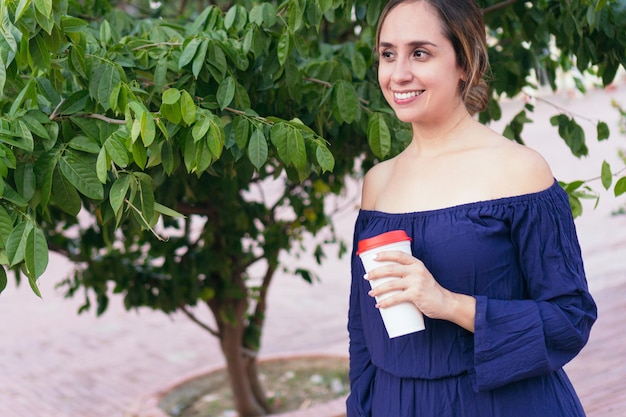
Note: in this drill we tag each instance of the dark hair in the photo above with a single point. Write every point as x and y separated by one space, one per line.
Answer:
464 27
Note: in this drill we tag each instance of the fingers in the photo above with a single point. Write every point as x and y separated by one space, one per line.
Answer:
396 256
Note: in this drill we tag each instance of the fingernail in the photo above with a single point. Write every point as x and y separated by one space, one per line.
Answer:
366 276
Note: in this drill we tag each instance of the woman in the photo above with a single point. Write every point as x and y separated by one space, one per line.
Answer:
496 266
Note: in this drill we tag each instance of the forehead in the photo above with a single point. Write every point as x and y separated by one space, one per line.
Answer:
410 21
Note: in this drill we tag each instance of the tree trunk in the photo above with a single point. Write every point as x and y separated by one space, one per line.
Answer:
255 383
244 384
248 394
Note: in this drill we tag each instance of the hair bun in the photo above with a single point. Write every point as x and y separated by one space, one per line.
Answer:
477 97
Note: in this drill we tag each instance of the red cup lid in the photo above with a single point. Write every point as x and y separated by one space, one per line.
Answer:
382 240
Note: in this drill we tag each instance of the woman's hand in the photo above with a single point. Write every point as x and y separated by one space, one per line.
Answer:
417 285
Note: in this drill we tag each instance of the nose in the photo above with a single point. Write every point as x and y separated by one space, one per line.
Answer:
401 71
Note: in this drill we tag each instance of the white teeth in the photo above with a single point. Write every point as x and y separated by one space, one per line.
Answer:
405 96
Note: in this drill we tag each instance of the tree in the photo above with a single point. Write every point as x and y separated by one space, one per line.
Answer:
137 138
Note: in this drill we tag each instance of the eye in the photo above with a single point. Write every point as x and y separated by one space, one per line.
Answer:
419 53
386 54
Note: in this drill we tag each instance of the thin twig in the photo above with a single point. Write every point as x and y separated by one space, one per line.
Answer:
103 118
498 6
329 85
56 109
140 214
193 318
563 109
150 45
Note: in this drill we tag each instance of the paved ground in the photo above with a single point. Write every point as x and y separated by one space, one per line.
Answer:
54 363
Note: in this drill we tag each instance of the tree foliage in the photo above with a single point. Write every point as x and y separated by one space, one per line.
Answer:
139 139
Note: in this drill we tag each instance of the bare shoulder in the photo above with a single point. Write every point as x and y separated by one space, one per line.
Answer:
524 170
374 182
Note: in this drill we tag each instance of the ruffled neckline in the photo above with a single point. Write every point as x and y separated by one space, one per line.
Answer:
516 199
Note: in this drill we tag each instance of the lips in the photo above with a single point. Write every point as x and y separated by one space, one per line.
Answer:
407 94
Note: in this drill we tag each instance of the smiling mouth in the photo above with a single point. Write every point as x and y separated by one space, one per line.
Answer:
407 95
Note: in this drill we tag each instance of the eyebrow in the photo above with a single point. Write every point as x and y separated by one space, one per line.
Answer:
413 44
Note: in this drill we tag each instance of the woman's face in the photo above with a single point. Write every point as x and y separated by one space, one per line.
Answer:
417 71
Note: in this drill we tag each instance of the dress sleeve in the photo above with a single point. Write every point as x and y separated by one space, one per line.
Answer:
358 403
518 339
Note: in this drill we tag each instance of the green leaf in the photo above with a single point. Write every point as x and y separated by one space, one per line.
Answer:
189 51
236 17
620 187
200 128
65 195
44 7
166 211
171 112
203 157
296 149
22 7
284 47
345 101
6 226
295 16
325 158
242 132
116 150
278 136
167 157
25 180
198 61
603 131
378 135
36 254
257 149
80 170
16 243
3 76
84 144
104 78
148 128
35 126
39 53
71 24
44 169
140 154
216 138
263 15
28 92
118 193
102 166
3 279
188 108
145 196
74 103
607 175
226 92
170 96
217 60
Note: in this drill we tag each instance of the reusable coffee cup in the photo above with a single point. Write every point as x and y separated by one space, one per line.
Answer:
403 318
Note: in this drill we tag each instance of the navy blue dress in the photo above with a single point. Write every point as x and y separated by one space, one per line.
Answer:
520 258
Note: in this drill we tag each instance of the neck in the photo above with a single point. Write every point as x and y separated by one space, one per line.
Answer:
434 138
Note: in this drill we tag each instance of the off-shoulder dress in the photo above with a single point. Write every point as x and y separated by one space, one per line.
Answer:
520 258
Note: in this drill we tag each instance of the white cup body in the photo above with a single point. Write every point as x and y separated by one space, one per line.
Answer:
403 318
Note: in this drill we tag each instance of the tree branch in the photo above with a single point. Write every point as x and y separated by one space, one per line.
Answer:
193 318
498 6
329 85
103 118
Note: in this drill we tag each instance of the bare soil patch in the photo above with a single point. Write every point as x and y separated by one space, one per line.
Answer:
291 384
